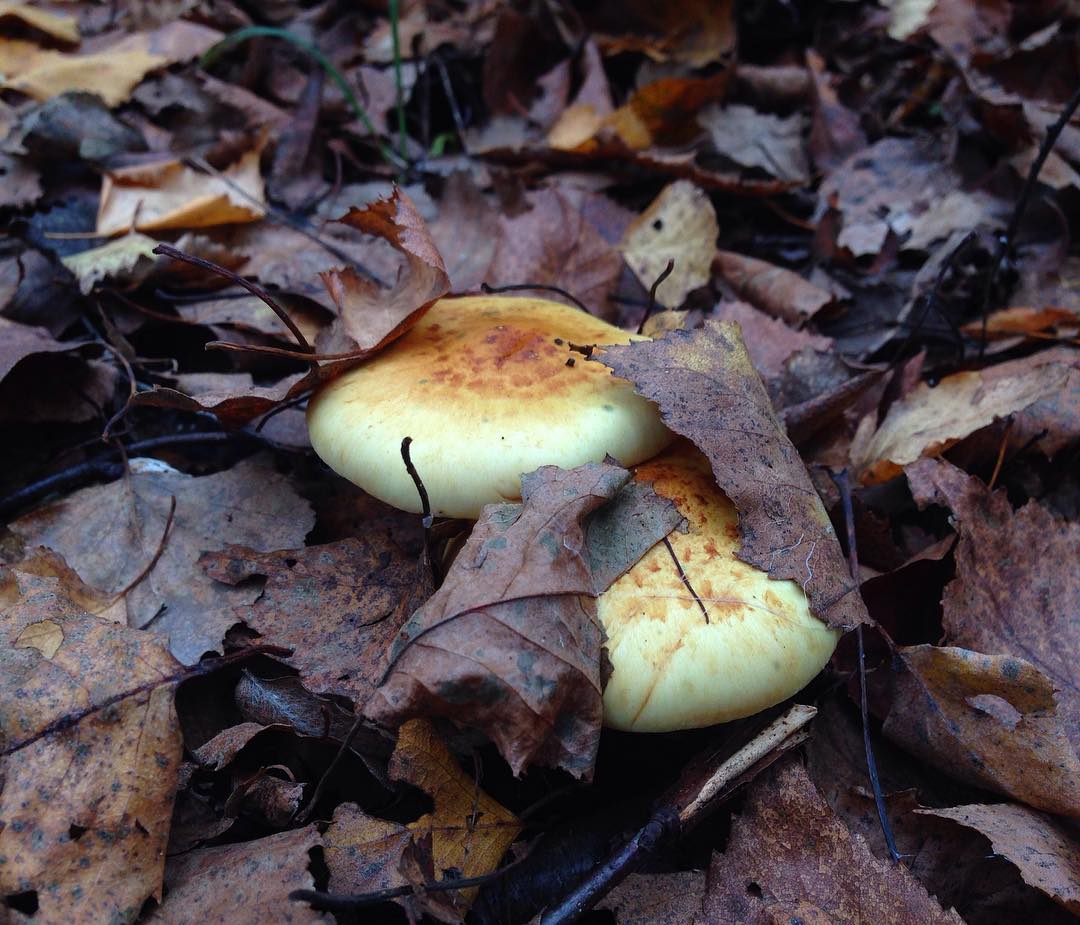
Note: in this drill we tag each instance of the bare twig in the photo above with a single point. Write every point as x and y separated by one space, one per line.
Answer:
664 274
526 287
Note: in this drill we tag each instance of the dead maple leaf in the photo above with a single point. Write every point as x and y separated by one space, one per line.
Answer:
250 504
927 421
247 883
84 809
338 606
1044 850
679 225
758 139
1011 594
170 194
780 292
363 852
790 858
990 720
469 830
705 386
511 643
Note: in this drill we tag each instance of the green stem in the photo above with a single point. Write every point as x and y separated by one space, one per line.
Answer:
252 32
395 17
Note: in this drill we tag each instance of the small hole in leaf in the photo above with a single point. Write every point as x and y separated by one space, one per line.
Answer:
290 562
753 889
75 832
658 225
26 902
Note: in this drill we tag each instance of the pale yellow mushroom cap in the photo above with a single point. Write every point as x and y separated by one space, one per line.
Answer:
672 669
482 385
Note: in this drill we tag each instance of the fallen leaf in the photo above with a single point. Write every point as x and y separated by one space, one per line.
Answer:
1009 322
835 133
779 292
116 259
929 420
758 139
113 72
706 388
769 341
692 32
84 810
991 720
247 883
511 643
20 182
679 225
47 564
1011 594
657 899
663 111
170 194
251 314
465 232
234 402
249 504
554 243
1044 850
956 211
469 830
55 26
363 852
338 606
370 317
790 858
75 126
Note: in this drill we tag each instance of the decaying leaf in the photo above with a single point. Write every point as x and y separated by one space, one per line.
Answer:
1011 594
680 225
790 859
84 810
247 883
706 388
990 720
338 607
929 420
657 899
364 853
116 259
780 292
170 194
1044 850
510 643
54 25
769 341
249 504
758 139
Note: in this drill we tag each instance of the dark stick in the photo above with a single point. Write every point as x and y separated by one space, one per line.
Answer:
1005 242
844 486
73 719
305 356
343 902
257 291
523 287
304 813
685 580
664 274
425 506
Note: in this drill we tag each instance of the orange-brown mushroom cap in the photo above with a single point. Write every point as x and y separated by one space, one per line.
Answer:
739 643
488 388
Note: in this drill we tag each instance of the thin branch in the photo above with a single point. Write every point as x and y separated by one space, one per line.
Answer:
685 580
284 351
664 274
344 902
425 507
526 287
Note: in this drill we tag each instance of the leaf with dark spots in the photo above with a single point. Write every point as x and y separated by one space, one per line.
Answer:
707 390
511 643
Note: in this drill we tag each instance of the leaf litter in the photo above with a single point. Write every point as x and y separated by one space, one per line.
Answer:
400 705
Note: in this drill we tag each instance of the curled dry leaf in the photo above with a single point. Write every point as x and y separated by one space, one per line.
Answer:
775 290
338 606
1045 851
250 504
928 421
990 720
511 643
1011 594
679 225
117 259
707 390
84 810
791 859
247 883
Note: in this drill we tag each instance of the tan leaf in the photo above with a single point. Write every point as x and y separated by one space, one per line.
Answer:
116 259
59 27
780 292
364 852
679 225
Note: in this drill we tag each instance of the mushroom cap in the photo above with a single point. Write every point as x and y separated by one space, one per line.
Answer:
672 669
486 388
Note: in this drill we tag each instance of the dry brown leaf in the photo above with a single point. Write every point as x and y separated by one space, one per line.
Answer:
364 853
247 883
113 72
679 225
469 830
927 421
1011 594
511 643
1009 322
768 340
657 899
20 182
791 859
691 32
338 606
47 564
758 139
169 194
1044 850
835 133
663 112
779 292
707 390
252 314
370 317
555 244
990 720
117 259
250 504
465 232
85 810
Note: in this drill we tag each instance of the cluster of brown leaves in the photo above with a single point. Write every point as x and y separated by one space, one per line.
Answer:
209 641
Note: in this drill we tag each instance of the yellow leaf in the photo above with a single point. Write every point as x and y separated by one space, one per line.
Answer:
169 194
61 28
469 830
116 258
